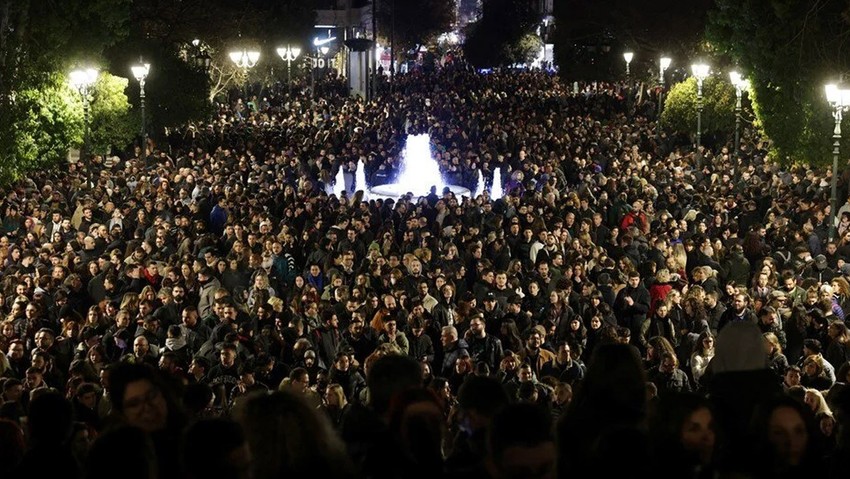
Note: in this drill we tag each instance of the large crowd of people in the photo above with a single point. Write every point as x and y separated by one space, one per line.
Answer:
203 307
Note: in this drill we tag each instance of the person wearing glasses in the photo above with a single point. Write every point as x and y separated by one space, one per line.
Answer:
143 399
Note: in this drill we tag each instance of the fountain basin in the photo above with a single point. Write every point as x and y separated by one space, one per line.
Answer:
397 190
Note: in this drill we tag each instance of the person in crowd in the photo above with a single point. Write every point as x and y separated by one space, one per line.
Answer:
300 441
785 435
684 436
219 261
702 355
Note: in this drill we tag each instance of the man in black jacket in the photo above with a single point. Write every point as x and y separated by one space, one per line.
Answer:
421 346
483 347
343 374
224 375
740 311
358 338
632 304
453 348
328 339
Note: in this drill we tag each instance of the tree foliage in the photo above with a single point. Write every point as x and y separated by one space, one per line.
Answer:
527 49
789 50
176 89
414 23
591 35
220 25
49 120
500 36
111 125
270 22
680 107
39 40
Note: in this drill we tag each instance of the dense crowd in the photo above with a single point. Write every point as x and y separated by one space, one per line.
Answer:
204 308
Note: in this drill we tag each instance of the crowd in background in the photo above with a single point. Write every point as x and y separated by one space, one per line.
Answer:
203 307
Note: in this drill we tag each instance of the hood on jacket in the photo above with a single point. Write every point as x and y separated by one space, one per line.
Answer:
740 347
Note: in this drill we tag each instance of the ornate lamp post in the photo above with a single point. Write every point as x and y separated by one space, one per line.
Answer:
741 85
289 55
82 80
839 99
663 63
141 71
700 71
245 59
627 56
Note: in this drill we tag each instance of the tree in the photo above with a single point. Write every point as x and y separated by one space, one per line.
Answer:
414 23
500 37
219 25
176 89
591 35
48 121
51 122
788 50
111 122
527 49
680 107
38 41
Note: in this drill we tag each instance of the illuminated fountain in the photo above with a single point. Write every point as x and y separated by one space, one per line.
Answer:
479 190
339 182
418 173
496 191
360 179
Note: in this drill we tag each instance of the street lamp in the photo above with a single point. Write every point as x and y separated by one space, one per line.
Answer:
741 85
664 63
700 71
839 100
627 56
288 54
141 71
82 80
245 59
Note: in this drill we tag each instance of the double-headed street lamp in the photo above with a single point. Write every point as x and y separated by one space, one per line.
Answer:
700 71
245 59
289 55
664 63
839 100
82 80
741 85
141 71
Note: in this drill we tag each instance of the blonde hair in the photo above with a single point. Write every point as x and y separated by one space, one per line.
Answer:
821 406
680 255
130 302
336 391
423 254
773 341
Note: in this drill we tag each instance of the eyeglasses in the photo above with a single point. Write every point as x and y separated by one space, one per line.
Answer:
137 402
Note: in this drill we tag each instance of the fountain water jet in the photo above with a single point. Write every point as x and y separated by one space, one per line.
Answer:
339 182
418 173
496 190
360 179
479 189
